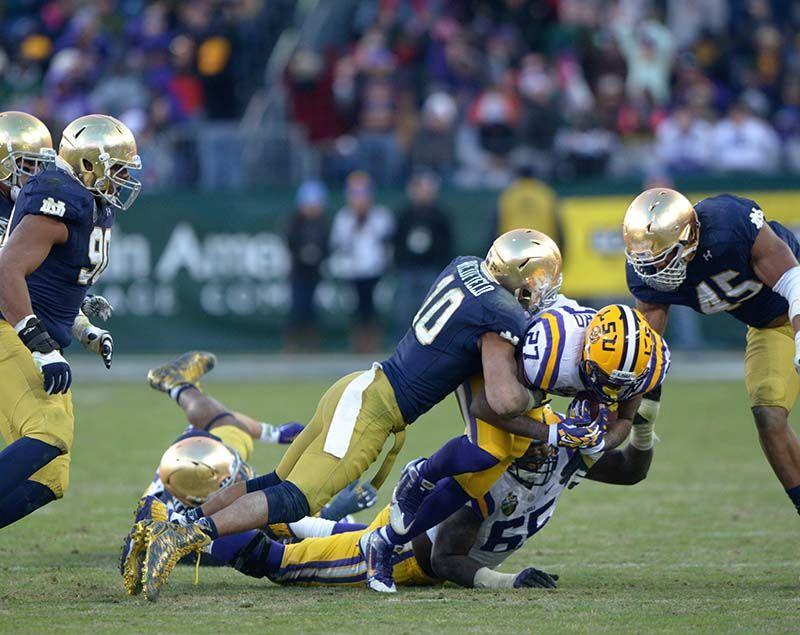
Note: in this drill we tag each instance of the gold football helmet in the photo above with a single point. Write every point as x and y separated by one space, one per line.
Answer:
25 146
100 150
195 467
617 351
661 233
528 264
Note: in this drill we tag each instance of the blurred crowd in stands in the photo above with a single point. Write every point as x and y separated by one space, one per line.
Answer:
576 88
466 88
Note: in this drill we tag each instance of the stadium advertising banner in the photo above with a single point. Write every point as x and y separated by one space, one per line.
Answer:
182 273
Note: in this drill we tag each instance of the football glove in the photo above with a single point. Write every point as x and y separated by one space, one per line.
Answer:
96 306
93 339
534 578
350 500
55 370
288 431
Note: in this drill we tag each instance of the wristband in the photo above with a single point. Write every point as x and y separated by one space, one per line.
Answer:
21 324
486 578
552 434
35 337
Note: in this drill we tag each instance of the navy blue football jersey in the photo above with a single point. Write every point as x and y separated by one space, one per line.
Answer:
720 277
58 287
440 350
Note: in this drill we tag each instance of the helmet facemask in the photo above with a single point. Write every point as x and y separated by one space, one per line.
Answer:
665 271
535 471
615 388
117 187
19 163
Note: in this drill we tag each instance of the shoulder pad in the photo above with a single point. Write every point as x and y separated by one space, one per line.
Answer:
55 193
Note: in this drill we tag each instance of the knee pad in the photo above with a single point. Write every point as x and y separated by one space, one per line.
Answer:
55 475
286 503
252 560
262 482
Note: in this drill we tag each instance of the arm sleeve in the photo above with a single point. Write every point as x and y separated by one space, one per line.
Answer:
504 315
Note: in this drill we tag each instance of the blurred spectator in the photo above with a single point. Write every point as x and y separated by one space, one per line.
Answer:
528 203
683 142
787 124
307 237
434 143
649 49
379 151
360 249
423 245
584 149
742 142
541 118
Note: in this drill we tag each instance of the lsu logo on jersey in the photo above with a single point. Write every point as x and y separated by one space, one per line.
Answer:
53 207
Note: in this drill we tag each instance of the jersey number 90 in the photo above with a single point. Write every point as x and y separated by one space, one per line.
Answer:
437 308
99 242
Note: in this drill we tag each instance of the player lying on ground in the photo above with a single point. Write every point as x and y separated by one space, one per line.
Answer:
721 255
608 358
54 248
212 453
471 320
464 549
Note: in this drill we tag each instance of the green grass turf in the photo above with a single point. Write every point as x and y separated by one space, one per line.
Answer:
708 542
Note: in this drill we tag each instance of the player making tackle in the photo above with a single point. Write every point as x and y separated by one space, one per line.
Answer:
722 255
471 321
55 245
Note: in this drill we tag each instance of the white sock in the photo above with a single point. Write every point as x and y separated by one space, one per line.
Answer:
269 434
175 391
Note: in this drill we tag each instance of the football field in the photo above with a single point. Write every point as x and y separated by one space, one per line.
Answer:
708 543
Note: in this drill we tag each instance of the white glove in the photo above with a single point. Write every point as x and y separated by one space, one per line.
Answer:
55 371
93 339
97 306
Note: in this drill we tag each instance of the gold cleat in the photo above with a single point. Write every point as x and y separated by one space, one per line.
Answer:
166 545
133 555
186 369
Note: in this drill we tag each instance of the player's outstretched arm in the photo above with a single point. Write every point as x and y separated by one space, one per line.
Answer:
454 539
450 558
505 394
622 467
520 424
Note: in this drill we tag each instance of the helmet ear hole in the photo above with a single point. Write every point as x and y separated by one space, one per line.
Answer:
87 165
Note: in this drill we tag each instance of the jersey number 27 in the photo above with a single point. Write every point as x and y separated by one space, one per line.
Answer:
99 242
437 308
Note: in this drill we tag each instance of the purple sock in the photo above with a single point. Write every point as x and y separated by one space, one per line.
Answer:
445 500
343 528
457 456
228 547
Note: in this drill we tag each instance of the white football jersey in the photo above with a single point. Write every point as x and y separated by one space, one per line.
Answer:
512 513
552 348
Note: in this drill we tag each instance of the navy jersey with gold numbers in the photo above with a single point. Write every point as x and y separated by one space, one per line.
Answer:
720 277
440 350
57 288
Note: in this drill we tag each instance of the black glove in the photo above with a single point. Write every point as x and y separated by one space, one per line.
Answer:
47 356
534 578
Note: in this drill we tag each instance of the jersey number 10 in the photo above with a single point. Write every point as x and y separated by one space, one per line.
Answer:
99 242
438 307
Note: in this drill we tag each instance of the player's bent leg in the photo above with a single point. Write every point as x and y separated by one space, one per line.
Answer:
779 442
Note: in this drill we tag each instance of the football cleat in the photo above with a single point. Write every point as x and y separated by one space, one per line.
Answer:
186 369
135 544
166 545
407 497
132 560
378 554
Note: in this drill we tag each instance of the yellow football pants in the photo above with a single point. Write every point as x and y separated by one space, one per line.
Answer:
769 372
26 410
336 560
502 445
344 437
